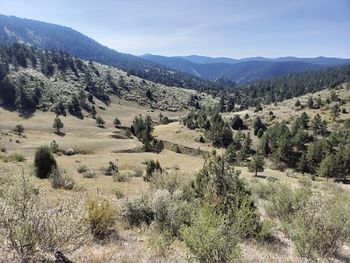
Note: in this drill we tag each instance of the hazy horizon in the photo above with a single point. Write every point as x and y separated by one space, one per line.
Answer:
221 29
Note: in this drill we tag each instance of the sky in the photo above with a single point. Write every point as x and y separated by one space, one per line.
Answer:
220 28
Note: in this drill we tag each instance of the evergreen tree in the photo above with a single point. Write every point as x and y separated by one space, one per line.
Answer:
302 165
237 123
19 129
256 164
44 162
57 124
100 122
116 122
335 112
310 103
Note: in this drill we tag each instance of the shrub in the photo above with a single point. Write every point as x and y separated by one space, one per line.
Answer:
321 227
14 157
89 174
82 169
262 190
173 182
111 169
170 211
121 177
136 211
31 230
152 168
138 173
119 193
286 202
44 162
160 241
55 148
101 218
209 238
61 181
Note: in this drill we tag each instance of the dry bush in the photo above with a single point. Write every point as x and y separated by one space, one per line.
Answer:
136 211
14 157
101 218
322 226
30 229
59 181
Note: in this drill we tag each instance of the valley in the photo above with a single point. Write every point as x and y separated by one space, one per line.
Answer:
107 156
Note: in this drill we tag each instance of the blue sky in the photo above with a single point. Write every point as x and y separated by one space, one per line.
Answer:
270 28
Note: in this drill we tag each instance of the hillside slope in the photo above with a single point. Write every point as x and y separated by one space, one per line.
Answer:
60 38
31 78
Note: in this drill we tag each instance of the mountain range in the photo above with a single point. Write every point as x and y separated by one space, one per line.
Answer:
246 69
193 72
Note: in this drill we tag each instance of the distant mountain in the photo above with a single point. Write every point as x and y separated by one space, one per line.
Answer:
60 38
246 69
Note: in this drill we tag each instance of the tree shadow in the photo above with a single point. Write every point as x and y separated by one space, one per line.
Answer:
261 176
60 133
26 114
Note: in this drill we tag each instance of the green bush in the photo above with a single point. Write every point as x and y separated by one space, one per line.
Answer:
44 162
152 168
321 226
160 241
209 238
111 169
170 211
262 190
82 169
285 202
101 218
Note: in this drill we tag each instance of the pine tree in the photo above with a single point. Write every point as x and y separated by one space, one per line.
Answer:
256 164
100 122
116 122
19 129
335 112
57 124
302 163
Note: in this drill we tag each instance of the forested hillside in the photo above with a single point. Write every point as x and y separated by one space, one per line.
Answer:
284 87
60 38
32 78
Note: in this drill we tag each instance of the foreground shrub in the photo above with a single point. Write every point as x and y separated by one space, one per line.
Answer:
173 181
101 218
136 211
170 211
263 190
160 241
285 202
209 238
61 181
217 183
44 162
321 227
31 230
